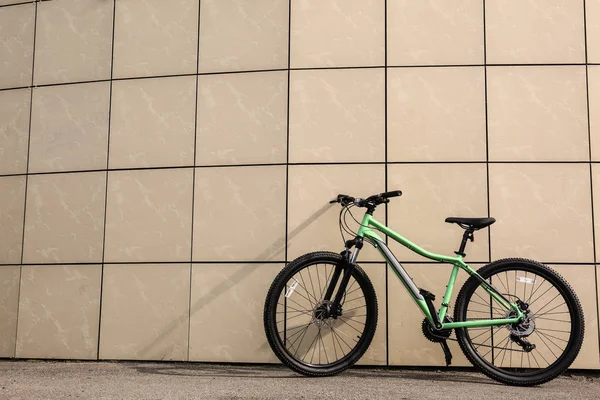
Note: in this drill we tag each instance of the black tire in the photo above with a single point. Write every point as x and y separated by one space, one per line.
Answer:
322 262
553 341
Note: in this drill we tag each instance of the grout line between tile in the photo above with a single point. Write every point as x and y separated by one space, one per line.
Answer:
26 178
302 69
487 153
19 4
350 163
587 93
385 48
252 262
487 140
287 160
112 62
194 183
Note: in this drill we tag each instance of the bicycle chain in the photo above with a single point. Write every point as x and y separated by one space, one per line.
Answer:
456 340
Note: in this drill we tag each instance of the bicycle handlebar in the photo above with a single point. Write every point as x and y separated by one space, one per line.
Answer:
370 201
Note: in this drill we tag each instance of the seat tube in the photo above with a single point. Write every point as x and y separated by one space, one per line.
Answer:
448 293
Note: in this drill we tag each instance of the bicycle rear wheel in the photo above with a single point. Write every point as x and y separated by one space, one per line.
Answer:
553 323
298 330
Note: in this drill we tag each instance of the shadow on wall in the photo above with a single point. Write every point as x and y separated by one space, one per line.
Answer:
277 247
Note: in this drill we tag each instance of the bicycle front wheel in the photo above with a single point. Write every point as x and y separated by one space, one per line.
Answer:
538 348
302 336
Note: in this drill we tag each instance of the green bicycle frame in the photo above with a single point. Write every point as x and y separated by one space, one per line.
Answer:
372 237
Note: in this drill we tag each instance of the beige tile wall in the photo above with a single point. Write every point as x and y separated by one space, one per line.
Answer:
58 311
161 161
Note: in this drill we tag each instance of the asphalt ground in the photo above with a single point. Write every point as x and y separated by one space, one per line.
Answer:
152 380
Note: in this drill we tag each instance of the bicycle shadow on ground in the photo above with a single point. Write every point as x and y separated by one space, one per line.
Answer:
277 371
203 370
278 247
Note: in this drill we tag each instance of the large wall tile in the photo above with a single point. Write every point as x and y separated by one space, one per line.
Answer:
436 114
537 113
337 115
9 304
145 312
242 118
243 35
73 41
431 193
149 214
594 112
582 280
59 310
593 30
408 346
435 32
535 31
337 33
14 130
155 37
239 214
227 312
543 212
16 45
69 127
312 221
65 218
12 207
152 122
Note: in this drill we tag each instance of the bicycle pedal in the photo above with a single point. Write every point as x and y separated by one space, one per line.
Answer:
427 294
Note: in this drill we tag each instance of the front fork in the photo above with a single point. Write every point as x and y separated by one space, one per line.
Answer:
348 258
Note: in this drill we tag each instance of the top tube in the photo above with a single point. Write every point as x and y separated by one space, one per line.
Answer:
365 231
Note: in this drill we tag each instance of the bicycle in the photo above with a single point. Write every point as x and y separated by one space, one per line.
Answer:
508 302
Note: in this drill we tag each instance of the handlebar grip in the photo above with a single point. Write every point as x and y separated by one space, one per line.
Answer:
394 193
341 197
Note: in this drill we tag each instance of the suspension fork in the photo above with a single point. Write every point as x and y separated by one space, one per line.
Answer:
346 266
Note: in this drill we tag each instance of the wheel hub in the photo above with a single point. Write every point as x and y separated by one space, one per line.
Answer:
524 327
323 313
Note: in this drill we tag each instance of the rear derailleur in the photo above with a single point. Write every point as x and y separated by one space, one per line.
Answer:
521 330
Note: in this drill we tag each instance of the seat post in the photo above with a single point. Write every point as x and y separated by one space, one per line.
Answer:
468 235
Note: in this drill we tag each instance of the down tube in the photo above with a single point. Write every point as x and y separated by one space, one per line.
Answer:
404 278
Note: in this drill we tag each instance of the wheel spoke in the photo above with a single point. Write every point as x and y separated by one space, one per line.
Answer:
555 320
485 305
319 280
346 322
304 287
356 308
549 348
311 284
341 338
535 291
294 309
350 301
549 302
542 295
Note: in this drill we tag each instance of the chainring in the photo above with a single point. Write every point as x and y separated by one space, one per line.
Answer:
435 336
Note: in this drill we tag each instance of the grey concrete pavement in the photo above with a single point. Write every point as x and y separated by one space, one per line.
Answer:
134 380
